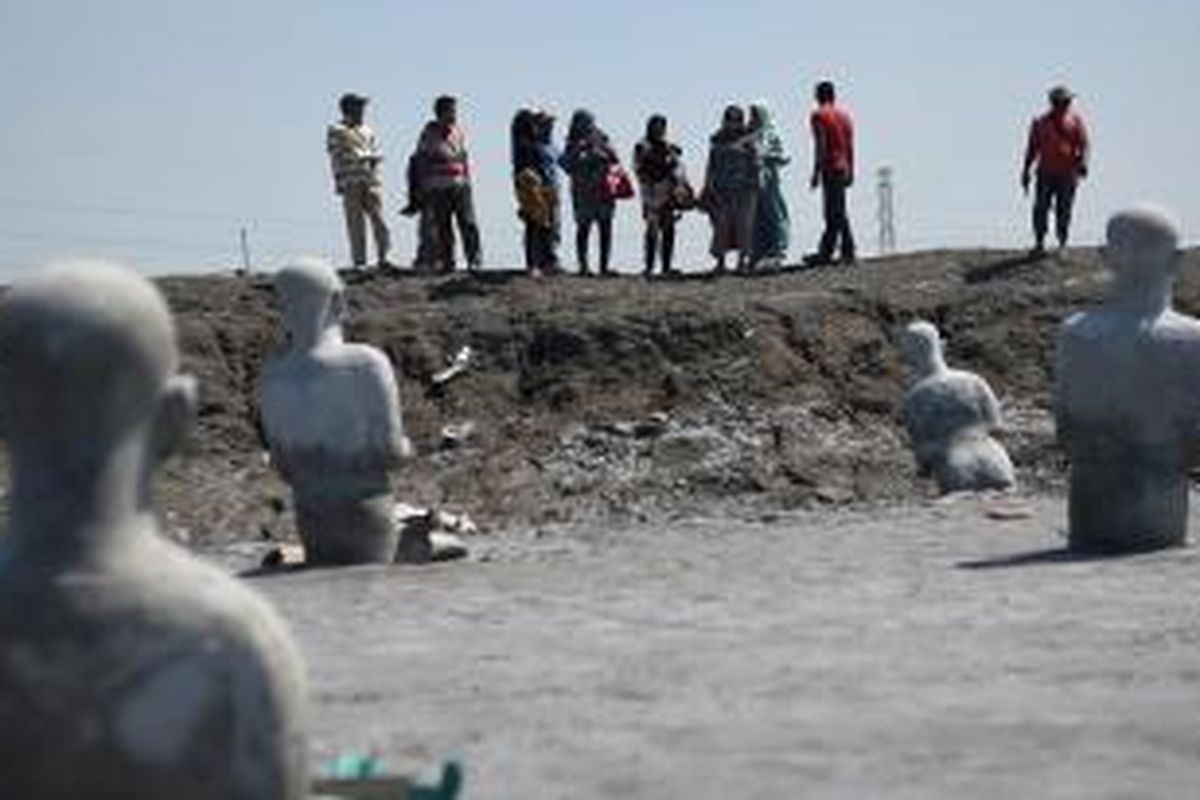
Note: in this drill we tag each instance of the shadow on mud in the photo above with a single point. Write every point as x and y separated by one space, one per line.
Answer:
1000 269
1033 558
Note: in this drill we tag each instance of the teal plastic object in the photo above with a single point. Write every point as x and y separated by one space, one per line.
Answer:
451 784
359 776
351 766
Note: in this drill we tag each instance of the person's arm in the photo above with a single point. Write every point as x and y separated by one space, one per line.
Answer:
1084 148
374 150
566 159
338 150
850 150
818 151
1031 148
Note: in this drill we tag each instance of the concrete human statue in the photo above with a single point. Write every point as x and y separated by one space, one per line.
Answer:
331 414
1127 397
950 416
128 668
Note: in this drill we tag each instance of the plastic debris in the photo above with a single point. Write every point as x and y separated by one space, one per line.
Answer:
458 365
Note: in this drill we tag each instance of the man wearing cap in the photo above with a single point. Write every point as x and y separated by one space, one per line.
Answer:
354 155
1058 144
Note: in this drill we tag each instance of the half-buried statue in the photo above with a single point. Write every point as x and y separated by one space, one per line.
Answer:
128 669
1127 397
951 415
331 414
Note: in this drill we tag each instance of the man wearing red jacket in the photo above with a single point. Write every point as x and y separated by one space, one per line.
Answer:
833 171
1058 144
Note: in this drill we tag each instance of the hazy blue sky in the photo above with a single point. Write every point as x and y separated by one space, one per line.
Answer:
151 130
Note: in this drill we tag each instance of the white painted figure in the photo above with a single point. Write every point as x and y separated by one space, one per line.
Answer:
951 415
331 413
128 668
1127 397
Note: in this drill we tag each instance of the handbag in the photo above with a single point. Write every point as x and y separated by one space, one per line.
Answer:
617 183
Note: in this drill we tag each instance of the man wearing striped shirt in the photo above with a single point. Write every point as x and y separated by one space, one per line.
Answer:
355 156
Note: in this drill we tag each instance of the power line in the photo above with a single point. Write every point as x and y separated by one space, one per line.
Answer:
56 207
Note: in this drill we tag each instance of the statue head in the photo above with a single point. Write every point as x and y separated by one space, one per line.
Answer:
1142 251
922 346
88 375
310 294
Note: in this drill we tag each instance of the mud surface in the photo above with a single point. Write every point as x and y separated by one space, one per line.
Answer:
927 651
592 399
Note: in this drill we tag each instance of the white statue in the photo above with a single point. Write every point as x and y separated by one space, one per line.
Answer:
128 668
1127 397
950 415
331 413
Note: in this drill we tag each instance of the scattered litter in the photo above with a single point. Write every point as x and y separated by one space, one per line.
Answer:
456 435
283 556
1005 511
458 365
430 535
456 523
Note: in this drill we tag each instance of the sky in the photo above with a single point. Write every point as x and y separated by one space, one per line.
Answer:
152 132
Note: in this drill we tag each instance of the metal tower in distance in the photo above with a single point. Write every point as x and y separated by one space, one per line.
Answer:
886 213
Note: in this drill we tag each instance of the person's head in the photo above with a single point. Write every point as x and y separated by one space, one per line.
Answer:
310 297
760 115
825 92
583 125
1141 248
1060 98
734 118
352 106
88 375
543 125
445 109
522 125
656 128
922 347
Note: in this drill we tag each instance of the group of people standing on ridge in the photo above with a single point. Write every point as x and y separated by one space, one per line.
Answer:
741 193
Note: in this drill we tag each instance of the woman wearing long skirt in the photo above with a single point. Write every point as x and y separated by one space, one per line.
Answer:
731 189
772 223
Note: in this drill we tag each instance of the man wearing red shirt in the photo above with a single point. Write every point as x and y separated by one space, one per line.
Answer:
833 171
1058 143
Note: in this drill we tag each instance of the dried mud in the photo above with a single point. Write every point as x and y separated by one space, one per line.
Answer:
621 398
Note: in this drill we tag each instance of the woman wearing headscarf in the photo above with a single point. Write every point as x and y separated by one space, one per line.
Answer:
660 177
771 225
534 161
731 188
587 159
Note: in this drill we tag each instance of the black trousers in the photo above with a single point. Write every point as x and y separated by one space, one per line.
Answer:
445 207
837 220
541 241
1059 192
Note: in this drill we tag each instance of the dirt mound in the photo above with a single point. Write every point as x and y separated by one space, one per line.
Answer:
626 397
